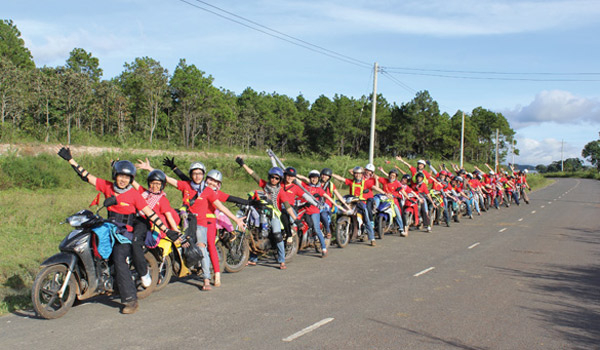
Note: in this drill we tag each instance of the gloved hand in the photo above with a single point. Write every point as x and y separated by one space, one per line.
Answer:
428 162
298 223
65 153
169 163
239 160
529 189
173 235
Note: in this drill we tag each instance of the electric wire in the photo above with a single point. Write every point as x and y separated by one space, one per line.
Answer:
312 47
492 78
489 72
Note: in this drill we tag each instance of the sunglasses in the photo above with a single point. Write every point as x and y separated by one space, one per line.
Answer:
274 177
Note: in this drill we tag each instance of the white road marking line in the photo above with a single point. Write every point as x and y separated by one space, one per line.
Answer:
473 245
423 272
549 202
308 329
521 219
533 212
504 229
542 206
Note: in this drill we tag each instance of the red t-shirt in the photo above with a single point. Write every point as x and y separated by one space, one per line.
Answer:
422 188
357 189
162 207
290 193
210 214
316 192
129 202
390 187
200 207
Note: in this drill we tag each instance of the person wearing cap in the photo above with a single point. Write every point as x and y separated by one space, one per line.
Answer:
129 202
393 189
421 163
358 187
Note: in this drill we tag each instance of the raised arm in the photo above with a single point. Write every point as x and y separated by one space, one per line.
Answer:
145 165
171 164
250 172
65 153
403 161
339 178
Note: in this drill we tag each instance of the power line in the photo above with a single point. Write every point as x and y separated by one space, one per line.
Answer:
493 78
398 82
490 72
279 35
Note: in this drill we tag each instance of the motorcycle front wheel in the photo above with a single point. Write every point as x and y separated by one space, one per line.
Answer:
44 293
165 272
236 257
380 227
143 292
342 232
291 249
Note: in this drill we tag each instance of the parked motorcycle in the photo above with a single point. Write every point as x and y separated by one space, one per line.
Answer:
350 224
78 272
307 236
385 216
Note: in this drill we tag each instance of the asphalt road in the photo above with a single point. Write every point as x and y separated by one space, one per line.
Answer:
523 277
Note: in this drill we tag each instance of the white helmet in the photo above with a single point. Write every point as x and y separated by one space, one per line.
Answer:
492 172
314 173
421 161
525 171
370 167
197 165
215 175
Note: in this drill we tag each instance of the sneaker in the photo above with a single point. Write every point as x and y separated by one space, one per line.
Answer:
130 307
428 228
146 280
373 243
324 254
471 216
404 232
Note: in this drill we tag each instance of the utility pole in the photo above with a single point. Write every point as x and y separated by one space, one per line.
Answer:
562 146
513 151
373 111
462 140
497 144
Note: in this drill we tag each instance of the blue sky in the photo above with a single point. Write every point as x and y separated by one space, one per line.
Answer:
473 35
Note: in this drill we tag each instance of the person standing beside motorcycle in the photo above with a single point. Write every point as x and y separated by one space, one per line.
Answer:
129 202
423 191
358 187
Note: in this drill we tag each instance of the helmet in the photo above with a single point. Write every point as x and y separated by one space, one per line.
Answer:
276 171
290 171
215 175
492 172
357 170
421 161
469 175
406 176
419 174
370 167
313 173
123 167
393 171
462 171
197 165
327 171
459 179
525 171
158 175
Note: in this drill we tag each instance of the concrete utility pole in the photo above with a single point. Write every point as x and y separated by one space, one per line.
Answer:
497 144
373 111
513 152
562 146
462 141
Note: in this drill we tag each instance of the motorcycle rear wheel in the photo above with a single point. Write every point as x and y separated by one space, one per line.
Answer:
44 293
291 249
153 269
165 272
380 227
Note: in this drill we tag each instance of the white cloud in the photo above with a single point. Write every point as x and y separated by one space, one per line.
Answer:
561 107
546 151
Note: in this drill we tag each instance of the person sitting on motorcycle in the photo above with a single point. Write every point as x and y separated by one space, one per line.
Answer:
321 180
371 181
195 177
129 202
274 191
419 169
473 187
443 179
198 204
423 191
392 187
411 200
358 187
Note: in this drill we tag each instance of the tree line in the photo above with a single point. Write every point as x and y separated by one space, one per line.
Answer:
183 108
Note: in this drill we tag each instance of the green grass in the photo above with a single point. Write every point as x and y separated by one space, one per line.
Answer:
38 192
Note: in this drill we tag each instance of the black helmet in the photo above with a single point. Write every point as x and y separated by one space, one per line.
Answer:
419 174
192 255
124 167
157 175
394 171
406 176
290 171
326 171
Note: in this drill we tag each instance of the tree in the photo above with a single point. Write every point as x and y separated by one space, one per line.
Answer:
12 47
83 62
144 81
592 151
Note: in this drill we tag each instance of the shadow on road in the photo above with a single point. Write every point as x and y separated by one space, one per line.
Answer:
573 311
430 337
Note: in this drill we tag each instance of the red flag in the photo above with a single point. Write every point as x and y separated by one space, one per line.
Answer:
96 200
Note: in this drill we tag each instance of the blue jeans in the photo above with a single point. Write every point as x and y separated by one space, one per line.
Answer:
275 228
398 216
476 203
326 218
202 237
446 210
363 208
316 220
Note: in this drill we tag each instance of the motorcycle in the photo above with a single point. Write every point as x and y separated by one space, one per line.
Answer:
436 212
258 226
307 236
350 224
78 271
384 216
